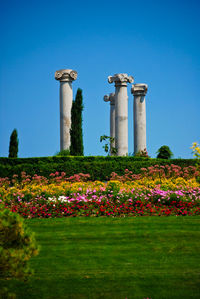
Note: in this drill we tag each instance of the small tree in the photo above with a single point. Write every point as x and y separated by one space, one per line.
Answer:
13 147
108 148
76 132
164 152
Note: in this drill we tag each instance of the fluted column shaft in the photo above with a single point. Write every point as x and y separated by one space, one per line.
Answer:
112 122
66 97
121 112
139 111
111 98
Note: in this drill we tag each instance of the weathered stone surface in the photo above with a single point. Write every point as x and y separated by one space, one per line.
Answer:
65 76
139 111
120 79
121 112
139 89
111 98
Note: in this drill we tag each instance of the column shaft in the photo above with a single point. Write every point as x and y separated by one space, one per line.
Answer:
121 112
139 111
66 96
121 120
112 123
139 123
111 98
65 76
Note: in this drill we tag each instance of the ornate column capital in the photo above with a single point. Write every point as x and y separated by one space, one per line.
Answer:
110 98
120 79
66 75
139 89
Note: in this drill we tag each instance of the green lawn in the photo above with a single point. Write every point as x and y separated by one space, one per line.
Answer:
114 258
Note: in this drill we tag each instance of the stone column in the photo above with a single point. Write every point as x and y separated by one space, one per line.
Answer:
111 98
66 97
139 111
121 112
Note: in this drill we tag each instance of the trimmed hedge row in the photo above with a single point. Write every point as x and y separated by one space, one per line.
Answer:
99 168
61 159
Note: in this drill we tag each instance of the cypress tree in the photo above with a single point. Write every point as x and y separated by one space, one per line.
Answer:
76 132
13 147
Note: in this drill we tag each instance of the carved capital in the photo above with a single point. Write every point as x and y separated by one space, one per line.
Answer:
139 89
66 75
120 79
110 98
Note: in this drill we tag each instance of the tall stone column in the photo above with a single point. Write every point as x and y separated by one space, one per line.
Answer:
66 97
139 111
111 98
121 112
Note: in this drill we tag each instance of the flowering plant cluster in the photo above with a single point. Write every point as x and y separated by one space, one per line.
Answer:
159 190
159 172
196 150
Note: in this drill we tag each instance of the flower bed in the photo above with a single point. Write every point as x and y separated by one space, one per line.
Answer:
161 191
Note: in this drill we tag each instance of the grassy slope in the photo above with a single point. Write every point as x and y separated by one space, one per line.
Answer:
115 258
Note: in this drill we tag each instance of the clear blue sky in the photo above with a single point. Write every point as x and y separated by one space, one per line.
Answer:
157 42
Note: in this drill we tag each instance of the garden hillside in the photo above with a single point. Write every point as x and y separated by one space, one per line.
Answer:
96 237
156 190
99 168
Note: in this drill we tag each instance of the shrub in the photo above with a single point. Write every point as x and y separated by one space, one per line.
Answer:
65 152
143 153
17 246
164 152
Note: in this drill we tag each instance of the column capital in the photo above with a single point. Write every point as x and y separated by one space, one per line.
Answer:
110 98
120 79
139 89
66 75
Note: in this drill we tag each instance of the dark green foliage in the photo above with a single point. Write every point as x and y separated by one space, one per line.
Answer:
76 132
17 246
13 146
108 148
64 153
98 167
143 153
164 152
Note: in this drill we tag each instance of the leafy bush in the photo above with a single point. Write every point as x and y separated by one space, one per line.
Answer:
17 246
65 152
164 152
143 153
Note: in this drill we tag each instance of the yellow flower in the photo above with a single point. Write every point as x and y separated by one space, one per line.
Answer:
196 150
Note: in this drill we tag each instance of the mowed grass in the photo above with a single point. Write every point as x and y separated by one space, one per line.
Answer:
114 258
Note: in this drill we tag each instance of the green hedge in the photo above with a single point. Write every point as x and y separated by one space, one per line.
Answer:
99 168
61 159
